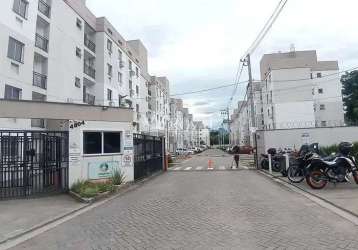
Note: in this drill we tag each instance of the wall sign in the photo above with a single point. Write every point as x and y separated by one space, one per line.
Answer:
127 160
76 124
102 170
128 139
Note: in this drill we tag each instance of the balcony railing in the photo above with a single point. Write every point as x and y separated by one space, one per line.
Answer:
44 8
89 44
39 80
41 42
88 70
89 99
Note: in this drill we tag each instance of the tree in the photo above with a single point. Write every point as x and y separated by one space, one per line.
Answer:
350 95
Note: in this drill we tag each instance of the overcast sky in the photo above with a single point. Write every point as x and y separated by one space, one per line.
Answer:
197 43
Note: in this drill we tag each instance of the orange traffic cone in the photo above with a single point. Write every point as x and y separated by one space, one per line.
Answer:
210 164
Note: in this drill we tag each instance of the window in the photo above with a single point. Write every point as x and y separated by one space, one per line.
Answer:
322 107
77 82
92 142
78 52
311 75
12 93
111 142
109 70
137 71
137 108
319 75
137 89
79 23
130 85
130 64
109 46
323 123
16 50
20 7
109 95
320 91
120 56
120 77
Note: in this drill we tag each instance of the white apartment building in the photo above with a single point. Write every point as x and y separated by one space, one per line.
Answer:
201 135
59 51
300 91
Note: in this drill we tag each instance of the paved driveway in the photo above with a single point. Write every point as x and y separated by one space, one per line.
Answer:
204 210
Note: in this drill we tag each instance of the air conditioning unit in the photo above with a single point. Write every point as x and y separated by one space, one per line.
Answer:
111 104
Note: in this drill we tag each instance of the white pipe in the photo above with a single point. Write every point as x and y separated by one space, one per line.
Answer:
287 161
270 164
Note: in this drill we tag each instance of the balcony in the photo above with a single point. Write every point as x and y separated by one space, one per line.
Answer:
89 99
39 80
89 44
44 8
88 70
41 42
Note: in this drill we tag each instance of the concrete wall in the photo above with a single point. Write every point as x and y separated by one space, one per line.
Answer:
294 138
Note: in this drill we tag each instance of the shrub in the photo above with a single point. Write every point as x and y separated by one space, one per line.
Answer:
104 187
89 192
117 177
78 186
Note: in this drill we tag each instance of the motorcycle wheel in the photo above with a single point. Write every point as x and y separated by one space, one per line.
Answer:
314 180
295 174
276 166
264 164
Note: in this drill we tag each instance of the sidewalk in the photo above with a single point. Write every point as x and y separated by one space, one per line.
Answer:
20 216
343 195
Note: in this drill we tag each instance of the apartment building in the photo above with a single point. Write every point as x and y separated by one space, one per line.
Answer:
201 134
58 51
300 91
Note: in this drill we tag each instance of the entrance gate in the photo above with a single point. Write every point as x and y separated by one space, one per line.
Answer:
148 155
33 163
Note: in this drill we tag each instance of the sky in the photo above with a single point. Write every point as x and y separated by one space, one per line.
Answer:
197 44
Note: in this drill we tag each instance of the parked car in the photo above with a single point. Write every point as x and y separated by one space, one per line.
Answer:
180 151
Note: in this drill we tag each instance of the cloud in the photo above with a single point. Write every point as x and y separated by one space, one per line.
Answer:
197 44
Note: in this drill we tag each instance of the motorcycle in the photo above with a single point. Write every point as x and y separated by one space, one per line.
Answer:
321 171
275 163
297 171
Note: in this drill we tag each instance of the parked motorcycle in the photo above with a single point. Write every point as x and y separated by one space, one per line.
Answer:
321 171
297 171
275 161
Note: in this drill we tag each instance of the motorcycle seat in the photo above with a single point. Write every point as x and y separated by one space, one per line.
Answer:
329 158
330 163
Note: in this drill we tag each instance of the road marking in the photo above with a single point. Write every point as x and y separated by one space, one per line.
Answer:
177 168
188 168
222 168
244 167
199 168
210 168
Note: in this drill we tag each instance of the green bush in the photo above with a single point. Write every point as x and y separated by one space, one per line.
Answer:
89 192
88 189
117 177
327 150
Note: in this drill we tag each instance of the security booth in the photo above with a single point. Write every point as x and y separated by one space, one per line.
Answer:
78 142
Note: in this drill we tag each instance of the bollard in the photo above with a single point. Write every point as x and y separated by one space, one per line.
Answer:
270 163
287 161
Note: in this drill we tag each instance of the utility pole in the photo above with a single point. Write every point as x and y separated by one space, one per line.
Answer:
251 96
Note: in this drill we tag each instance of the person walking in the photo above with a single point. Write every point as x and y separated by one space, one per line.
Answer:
236 152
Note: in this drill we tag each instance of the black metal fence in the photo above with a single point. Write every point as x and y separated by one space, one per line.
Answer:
33 163
148 155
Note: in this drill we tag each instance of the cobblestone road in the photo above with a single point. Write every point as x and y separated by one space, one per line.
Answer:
204 210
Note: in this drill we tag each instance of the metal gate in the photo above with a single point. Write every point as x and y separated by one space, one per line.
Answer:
148 155
33 163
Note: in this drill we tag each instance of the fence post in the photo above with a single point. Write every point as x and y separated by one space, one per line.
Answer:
270 163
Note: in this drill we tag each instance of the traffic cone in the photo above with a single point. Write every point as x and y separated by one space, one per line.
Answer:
210 164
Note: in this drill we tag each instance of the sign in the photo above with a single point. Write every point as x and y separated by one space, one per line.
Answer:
76 124
127 160
128 139
102 170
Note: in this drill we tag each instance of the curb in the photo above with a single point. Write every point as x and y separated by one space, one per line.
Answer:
317 197
130 186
